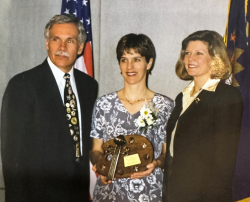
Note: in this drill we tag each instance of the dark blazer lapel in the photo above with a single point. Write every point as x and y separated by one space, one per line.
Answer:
198 103
81 90
178 105
177 110
52 94
174 116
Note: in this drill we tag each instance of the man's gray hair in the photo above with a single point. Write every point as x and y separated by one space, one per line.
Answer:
63 19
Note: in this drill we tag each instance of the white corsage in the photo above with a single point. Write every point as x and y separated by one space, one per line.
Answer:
148 115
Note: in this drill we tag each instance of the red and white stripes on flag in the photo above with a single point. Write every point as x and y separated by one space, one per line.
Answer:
81 9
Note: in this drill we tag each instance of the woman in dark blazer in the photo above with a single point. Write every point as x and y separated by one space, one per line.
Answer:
204 127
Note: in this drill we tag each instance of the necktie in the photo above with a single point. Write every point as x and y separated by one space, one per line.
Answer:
72 114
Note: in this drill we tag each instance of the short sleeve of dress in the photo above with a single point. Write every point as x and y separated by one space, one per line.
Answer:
103 108
165 106
97 121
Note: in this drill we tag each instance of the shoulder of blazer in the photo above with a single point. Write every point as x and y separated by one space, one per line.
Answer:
38 71
25 86
178 99
227 92
85 85
33 75
84 77
222 86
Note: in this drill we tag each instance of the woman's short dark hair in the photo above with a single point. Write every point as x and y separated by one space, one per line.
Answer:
140 43
221 66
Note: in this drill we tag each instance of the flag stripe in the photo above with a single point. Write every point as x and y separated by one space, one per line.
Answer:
88 58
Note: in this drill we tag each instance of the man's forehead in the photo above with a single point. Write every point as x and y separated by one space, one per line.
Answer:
64 26
66 29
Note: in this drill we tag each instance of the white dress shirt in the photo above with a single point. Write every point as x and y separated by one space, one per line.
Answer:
58 74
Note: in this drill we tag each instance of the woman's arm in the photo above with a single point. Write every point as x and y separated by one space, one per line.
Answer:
95 155
97 151
159 162
161 159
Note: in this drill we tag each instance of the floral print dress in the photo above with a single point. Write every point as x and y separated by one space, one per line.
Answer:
110 119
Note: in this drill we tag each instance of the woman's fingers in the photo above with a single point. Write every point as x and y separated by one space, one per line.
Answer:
150 168
104 180
94 168
142 174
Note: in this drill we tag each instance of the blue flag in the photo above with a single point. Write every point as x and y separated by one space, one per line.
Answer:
238 46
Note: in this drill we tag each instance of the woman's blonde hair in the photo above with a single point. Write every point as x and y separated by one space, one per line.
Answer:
221 66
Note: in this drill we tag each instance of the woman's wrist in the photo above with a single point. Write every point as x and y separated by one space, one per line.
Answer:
160 162
155 163
95 156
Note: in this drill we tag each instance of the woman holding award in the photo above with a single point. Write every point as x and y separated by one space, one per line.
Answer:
132 110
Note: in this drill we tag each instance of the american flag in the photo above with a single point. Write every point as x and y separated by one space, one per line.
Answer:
81 9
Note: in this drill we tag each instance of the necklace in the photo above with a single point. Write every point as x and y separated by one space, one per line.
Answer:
193 92
135 100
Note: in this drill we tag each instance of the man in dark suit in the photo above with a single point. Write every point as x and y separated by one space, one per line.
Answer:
46 120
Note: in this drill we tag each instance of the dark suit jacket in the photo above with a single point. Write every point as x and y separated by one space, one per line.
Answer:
37 148
205 147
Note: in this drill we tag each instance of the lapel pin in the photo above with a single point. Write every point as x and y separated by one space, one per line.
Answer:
197 100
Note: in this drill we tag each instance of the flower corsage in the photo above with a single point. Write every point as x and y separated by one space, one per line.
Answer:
148 115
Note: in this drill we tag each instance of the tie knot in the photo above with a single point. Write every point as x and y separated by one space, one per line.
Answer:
66 76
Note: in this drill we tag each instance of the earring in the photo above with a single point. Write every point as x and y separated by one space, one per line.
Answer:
148 71
121 72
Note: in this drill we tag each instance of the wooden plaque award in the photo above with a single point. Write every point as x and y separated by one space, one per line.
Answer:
125 155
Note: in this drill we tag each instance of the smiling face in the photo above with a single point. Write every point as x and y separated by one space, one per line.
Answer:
134 68
63 46
197 60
